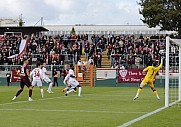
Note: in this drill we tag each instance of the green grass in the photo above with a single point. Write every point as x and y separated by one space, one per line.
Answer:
169 117
97 107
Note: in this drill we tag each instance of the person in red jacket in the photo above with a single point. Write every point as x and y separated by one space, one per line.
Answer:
65 71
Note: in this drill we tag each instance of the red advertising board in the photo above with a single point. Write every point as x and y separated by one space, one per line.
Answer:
130 75
15 77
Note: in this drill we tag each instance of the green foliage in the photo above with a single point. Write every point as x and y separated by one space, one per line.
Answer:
163 13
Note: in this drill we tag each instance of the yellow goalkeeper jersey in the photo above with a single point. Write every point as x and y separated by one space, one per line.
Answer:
152 71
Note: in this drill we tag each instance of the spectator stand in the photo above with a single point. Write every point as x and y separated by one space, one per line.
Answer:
140 51
104 51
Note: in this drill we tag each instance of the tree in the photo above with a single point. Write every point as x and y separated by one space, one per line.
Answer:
72 32
163 13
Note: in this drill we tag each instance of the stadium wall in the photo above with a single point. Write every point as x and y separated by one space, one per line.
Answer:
105 78
159 82
3 82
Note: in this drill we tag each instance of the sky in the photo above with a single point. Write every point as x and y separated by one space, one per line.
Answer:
117 12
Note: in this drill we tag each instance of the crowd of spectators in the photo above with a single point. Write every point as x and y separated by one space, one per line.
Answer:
9 46
125 50
131 51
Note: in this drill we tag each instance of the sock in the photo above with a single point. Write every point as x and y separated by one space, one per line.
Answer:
138 91
66 88
42 92
80 89
71 90
18 93
30 92
156 93
50 87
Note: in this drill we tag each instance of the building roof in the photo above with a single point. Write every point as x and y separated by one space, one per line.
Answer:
99 27
10 28
25 29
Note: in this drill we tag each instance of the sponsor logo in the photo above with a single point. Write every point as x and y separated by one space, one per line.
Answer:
123 73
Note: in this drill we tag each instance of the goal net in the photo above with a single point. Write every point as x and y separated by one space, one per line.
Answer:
173 72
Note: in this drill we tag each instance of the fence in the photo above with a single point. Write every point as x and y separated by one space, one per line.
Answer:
62 58
5 68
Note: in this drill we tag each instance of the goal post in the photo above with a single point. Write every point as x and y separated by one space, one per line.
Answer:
172 72
167 73
179 73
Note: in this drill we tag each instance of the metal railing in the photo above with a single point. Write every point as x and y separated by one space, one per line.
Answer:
48 67
68 58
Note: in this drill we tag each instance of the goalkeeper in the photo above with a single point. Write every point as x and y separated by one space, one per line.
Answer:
150 72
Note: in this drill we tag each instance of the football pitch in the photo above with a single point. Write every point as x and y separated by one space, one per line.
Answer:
97 107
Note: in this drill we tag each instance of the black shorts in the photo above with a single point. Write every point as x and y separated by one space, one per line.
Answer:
25 81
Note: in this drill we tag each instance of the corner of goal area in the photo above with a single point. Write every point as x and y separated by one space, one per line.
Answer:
149 114
141 117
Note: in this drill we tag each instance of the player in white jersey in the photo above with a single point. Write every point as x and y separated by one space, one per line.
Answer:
71 83
69 71
47 79
37 76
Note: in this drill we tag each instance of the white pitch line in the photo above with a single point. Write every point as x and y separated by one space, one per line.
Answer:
141 117
83 111
19 102
144 116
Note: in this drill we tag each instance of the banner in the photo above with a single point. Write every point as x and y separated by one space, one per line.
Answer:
15 77
105 73
130 76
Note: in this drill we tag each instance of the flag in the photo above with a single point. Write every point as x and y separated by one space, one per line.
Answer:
22 48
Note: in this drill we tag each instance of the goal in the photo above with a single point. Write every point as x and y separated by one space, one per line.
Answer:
173 72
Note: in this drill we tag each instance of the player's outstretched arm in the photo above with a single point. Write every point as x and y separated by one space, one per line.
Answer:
161 63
